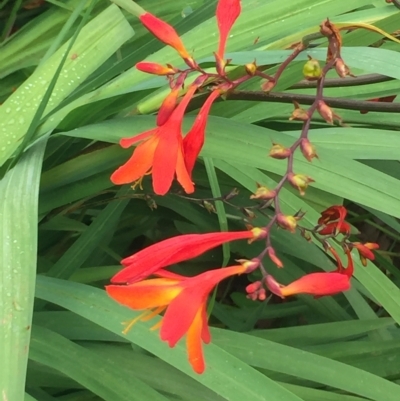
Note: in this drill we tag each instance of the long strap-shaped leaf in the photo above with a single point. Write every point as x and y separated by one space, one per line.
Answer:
18 242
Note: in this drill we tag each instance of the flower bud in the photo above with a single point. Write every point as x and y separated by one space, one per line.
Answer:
300 181
299 114
273 257
312 70
279 151
253 287
326 112
342 69
267 86
251 68
263 193
155 68
308 149
287 222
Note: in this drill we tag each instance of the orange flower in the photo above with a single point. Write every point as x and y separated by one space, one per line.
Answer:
155 68
164 33
161 152
174 250
365 251
185 301
194 140
317 284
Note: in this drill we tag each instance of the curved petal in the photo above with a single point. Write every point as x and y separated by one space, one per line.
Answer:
164 163
205 330
146 294
170 251
138 165
127 142
182 173
194 345
181 312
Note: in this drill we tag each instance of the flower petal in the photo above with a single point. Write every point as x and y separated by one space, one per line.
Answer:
182 174
145 294
138 165
194 140
205 332
127 142
194 345
183 309
164 163
227 13
170 251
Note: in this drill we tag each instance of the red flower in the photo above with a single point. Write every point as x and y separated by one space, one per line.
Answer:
317 284
227 13
185 301
334 228
165 33
333 219
174 250
365 251
161 152
194 140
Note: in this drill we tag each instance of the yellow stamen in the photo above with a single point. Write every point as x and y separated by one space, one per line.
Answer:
130 323
155 312
156 326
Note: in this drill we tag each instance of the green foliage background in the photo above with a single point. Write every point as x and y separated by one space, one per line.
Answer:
64 228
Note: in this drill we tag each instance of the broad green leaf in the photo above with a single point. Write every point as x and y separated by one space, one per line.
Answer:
108 380
226 375
280 358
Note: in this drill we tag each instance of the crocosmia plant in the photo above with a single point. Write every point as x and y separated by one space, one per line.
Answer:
146 281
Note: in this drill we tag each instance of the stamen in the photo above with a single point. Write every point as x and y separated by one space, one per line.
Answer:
130 323
155 312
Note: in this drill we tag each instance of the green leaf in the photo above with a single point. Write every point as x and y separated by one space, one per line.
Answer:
107 380
226 375
18 252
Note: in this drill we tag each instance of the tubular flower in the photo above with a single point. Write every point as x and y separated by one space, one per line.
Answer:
165 33
185 301
365 251
174 250
155 68
317 284
161 152
194 140
227 13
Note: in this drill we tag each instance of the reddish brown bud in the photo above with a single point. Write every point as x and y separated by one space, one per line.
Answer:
155 68
308 149
273 257
327 113
287 222
299 113
300 181
263 193
342 69
279 151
